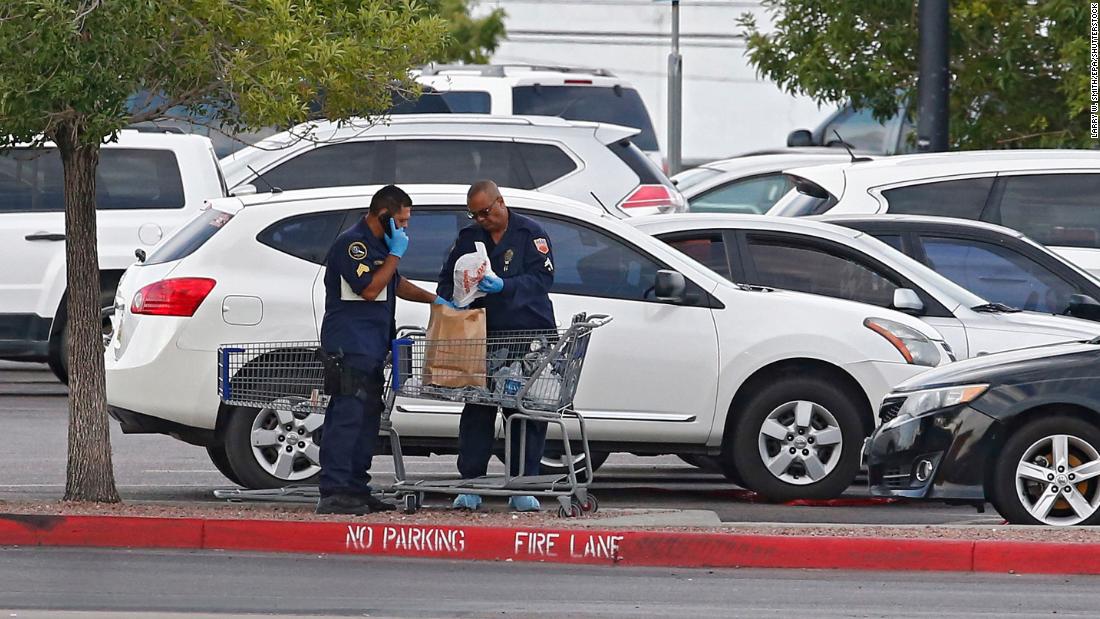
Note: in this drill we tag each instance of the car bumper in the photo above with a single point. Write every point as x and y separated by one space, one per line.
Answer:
176 386
24 337
943 455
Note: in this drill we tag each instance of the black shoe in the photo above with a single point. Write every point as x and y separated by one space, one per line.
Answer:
376 504
343 504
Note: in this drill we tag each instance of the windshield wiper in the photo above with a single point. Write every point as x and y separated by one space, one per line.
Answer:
996 308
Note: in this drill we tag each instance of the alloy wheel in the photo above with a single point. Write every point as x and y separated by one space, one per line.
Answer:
285 439
1058 480
800 442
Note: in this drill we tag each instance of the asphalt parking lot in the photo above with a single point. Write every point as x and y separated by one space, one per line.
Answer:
33 415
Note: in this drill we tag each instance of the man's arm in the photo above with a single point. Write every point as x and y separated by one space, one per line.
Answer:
381 278
411 292
446 287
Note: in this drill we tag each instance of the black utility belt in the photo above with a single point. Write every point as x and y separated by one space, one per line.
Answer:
343 379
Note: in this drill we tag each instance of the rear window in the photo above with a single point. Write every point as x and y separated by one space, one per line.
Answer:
31 179
648 173
963 198
190 237
617 105
1053 209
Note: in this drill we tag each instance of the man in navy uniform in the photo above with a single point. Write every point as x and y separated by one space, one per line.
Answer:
361 285
518 298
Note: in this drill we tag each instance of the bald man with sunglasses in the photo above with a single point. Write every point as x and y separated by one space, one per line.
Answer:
517 298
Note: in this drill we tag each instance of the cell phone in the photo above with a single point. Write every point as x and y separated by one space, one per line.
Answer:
385 220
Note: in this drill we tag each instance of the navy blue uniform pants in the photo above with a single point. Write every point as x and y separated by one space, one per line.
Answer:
476 430
350 435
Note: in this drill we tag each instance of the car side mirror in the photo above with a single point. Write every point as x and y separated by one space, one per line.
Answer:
669 286
1083 306
905 300
800 137
246 189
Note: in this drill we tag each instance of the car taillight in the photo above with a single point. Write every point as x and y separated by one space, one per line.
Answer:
651 196
180 296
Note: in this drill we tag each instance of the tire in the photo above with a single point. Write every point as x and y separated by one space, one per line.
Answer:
58 358
812 440
552 463
1028 498
221 462
264 466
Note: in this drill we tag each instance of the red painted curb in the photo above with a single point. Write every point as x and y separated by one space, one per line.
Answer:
597 547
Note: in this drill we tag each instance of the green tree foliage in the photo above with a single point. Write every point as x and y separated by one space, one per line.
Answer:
471 40
67 68
1019 68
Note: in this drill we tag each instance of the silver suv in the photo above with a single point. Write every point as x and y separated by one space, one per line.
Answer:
594 163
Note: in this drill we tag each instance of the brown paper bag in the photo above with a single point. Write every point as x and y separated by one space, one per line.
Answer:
455 354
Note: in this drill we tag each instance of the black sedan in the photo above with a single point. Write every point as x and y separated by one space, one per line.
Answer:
1019 429
996 263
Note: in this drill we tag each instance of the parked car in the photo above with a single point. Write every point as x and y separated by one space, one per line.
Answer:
860 129
147 185
1020 430
573 93
994 262
819 258
676 372
1048 195
594 163
749 183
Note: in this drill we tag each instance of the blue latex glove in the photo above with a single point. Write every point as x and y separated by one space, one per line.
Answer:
490 284
441 301
397 240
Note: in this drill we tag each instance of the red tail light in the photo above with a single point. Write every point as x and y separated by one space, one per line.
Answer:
589 82
172 297
651 196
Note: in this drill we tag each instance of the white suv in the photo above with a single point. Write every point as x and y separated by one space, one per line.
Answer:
146 186
590 162
1049 195
692 364
522 89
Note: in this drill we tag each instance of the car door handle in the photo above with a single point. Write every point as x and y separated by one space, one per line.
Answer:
45 236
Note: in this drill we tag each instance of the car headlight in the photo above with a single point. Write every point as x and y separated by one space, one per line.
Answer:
913 345
920 403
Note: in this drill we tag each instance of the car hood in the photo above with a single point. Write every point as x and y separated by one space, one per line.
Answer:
990 368
1072 329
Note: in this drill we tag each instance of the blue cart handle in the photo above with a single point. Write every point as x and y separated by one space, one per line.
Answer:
395 373
227 389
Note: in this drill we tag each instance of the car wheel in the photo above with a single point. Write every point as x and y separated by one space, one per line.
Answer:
553 462
275 446
58 358
1048 472
221 462
798 438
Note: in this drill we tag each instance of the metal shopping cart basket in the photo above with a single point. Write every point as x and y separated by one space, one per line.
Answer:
535 373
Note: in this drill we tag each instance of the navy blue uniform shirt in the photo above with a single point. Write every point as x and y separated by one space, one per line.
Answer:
524 259
353 325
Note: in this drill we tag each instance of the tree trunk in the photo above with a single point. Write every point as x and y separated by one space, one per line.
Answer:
89 476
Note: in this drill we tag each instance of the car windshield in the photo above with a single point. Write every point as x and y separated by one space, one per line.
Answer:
694 176
605 104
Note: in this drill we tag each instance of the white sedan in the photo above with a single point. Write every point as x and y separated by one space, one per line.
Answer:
692 364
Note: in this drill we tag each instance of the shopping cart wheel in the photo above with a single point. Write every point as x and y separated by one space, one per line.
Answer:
574 510
589 506
412 504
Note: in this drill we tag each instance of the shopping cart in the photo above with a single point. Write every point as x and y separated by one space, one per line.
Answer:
534 372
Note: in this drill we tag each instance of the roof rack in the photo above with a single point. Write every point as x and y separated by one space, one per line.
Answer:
498 70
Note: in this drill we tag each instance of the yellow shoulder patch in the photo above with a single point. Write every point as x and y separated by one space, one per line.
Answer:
362 269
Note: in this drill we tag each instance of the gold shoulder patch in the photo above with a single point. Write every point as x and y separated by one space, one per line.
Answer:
362 269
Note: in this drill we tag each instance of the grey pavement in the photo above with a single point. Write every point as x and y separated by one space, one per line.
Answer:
29 379
149 582
160 468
